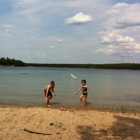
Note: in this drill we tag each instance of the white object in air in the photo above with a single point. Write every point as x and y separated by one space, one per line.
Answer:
73 76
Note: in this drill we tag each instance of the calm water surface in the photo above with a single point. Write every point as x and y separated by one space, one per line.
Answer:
25 85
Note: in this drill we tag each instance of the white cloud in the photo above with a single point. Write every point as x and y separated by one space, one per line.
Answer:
8 26
59 40
108 50
79 18
40 55
118 44
120 5
116 38
124 15
129 19
137 51
113 12
118 9
51 47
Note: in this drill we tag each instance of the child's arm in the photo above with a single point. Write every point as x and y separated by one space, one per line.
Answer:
79 90
53 92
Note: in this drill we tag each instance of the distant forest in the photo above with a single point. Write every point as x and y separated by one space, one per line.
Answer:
12 62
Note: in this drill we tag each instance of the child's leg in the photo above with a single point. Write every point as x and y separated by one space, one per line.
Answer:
48 100
81 99
85 100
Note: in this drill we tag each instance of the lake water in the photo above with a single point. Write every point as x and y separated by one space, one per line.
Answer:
25 85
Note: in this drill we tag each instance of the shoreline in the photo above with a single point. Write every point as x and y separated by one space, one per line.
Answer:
44 106
91 106
82 108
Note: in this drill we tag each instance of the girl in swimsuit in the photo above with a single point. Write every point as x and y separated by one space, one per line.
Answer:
85 91
48 93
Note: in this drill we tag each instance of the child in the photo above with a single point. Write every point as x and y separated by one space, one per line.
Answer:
47 92
85 91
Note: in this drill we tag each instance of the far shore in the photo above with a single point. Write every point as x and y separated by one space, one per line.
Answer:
12 62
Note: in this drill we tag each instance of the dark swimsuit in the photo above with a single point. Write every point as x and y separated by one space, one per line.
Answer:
49 93
84 89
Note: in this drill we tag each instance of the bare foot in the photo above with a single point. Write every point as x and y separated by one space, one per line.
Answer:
82 104
49 106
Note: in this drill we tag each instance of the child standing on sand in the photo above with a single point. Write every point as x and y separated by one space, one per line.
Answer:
48 93
85 91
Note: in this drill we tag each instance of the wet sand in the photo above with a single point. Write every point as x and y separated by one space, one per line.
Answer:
40 123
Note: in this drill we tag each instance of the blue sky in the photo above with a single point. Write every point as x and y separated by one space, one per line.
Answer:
74 31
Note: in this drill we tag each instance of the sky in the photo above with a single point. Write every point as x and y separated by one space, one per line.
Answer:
70 31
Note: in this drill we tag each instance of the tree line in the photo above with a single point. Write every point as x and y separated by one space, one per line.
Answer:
12 62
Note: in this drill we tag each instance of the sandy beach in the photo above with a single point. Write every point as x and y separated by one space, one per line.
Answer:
41 123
